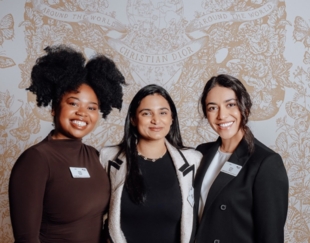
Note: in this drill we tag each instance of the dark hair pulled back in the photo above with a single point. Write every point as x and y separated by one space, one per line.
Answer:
243 102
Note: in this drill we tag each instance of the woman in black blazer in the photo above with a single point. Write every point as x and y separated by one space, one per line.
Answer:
241 186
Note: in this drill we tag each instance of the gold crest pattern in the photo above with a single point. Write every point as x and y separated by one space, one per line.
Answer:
6 33
293 143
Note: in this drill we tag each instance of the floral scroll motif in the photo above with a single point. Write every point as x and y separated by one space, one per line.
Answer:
293 143
6 33
20 123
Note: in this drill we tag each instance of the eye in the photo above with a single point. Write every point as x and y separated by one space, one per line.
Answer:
92 108
73 103
211 108
164 113
231 105
146 113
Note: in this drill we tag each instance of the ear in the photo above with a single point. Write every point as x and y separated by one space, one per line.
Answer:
53 112
132 121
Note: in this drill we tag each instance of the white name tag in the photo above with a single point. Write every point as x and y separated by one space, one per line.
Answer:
78 172
231 168
190 197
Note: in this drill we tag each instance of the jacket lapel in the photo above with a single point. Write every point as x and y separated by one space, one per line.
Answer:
185 173
180 163
117 171
239 157
204 165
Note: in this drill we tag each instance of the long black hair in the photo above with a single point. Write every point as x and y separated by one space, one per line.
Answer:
62 69
243 102
134 180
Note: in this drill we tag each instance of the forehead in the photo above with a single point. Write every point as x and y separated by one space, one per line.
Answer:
84 93
153 101
219 94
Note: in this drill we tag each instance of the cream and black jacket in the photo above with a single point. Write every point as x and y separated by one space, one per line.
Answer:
186 163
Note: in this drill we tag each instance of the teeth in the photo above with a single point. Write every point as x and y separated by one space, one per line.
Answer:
79 123
225 124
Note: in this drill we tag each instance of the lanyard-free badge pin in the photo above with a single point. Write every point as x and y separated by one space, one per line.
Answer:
78 172
231 168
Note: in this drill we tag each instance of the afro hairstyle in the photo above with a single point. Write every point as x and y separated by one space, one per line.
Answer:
106 80
63 70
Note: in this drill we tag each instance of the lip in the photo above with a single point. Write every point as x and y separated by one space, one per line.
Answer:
227 127
156 129
78 126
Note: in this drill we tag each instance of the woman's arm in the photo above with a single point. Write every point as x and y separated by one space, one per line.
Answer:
270 194
26 193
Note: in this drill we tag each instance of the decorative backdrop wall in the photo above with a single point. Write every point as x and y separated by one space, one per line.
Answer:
178 44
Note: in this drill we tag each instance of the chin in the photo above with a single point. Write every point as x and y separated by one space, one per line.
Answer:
78 135
226 136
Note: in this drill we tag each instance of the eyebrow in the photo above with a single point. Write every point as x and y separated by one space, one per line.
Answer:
226 101
91 102
147 109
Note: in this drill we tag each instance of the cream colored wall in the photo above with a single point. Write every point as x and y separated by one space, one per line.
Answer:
178 44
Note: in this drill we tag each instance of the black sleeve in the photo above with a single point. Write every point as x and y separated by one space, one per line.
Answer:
270 194
26 193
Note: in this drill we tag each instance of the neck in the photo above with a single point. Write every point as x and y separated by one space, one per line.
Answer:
229 145
57 135
152 149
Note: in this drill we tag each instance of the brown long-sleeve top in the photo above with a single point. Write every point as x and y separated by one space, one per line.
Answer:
49 205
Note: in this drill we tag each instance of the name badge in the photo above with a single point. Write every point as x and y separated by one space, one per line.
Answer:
231 168
78 172
190 197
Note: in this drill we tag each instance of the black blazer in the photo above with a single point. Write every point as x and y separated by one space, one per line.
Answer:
248 208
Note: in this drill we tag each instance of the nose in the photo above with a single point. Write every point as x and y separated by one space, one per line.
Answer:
81 111
222 113
154 119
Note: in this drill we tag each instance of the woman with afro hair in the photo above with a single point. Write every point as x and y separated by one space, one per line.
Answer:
58 189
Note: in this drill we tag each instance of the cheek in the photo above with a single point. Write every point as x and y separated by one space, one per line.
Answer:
140 123
168 121
210 117
95 117
236 113
61 115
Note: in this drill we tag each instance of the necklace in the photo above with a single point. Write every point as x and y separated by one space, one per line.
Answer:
153 160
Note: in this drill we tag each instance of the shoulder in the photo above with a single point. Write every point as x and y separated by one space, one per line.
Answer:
263 152
91 149
34 152
34 158
269 162
204 147
108 153
192 154
270 166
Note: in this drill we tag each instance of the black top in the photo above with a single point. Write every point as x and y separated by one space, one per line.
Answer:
47 204
158 219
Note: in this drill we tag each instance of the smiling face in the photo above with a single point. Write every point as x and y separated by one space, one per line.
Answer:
153 118
77 114
223 113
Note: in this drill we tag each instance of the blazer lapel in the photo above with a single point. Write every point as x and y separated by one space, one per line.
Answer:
185 173
117 171
179 161
204 165
240 156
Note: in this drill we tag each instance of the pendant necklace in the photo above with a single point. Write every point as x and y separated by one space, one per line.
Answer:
148 159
